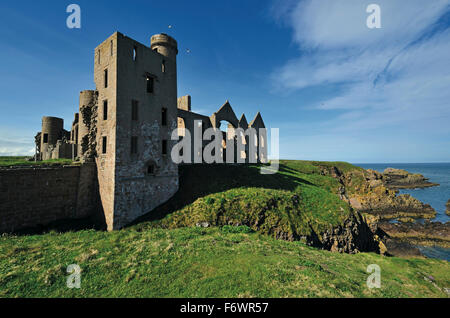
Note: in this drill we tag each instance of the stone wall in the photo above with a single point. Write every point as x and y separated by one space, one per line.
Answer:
37 196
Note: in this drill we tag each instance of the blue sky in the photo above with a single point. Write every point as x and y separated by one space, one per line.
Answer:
335 89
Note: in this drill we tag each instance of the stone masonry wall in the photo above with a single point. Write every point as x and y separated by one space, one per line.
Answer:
34 196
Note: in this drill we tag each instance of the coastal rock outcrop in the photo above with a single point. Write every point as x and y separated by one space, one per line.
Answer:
448 208
388 206
366 192
402 179
428 233
375 195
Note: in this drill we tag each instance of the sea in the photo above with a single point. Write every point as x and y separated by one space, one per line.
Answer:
437 197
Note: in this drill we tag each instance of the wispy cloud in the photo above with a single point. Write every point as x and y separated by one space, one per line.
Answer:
16 148
394 77
14 142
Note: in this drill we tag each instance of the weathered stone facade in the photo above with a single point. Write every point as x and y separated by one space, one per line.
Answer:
35 196
125 127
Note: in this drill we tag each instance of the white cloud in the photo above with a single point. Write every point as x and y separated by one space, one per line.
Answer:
342 23
14 148
15 142
393 78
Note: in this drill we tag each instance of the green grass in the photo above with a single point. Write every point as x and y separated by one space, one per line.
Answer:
23 161
293 203
195 262
166 255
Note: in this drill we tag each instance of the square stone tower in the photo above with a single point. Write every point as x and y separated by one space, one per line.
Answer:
137 112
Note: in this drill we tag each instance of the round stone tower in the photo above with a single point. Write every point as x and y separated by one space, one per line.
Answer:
87 99
51 131
164 45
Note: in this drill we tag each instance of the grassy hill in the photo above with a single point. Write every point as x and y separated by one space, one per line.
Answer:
165 255
291 204
195 262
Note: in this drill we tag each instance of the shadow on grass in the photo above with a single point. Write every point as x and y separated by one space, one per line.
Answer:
63 226
201 180
195 181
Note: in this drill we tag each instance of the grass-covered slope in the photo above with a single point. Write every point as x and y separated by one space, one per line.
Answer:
160 257
195 262
290 204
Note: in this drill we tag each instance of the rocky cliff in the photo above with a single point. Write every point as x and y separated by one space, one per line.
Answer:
367 192
375 195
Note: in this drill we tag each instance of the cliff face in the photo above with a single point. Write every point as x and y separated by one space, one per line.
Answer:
375 195
357 234
368 191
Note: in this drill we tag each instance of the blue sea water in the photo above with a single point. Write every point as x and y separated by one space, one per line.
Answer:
437 197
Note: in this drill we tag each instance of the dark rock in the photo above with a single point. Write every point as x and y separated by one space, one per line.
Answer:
429 233
353 237
402 249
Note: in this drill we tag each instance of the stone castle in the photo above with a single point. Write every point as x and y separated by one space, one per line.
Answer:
125 126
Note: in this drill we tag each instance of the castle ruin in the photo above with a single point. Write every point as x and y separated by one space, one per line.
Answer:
124 127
